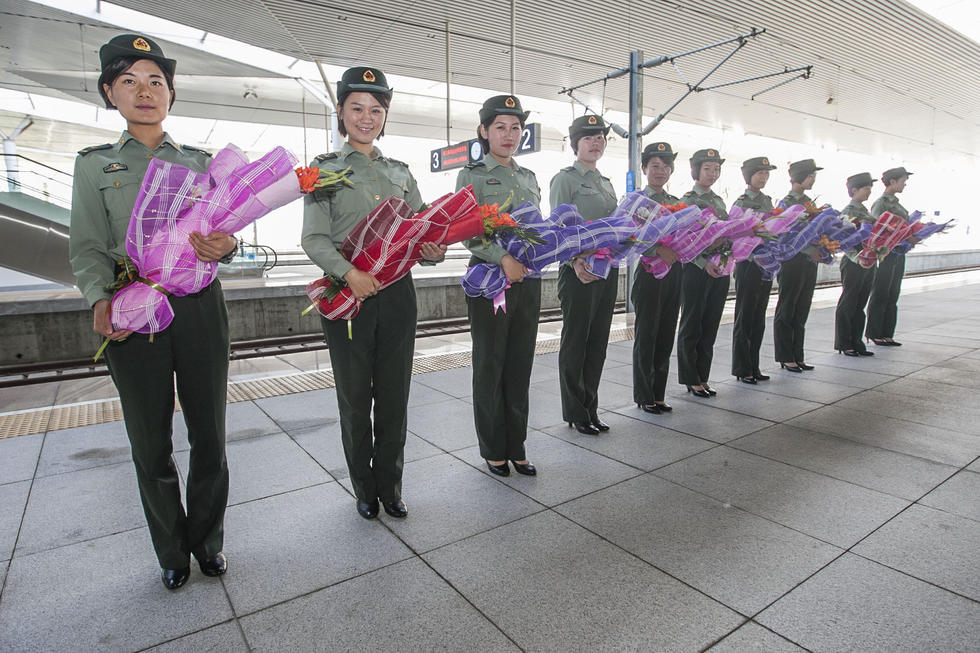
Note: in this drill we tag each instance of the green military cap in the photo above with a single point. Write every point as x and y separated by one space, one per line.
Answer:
754 165
894 173
704 156
134 45
660 150
363 79
803 168
587 124
860 180
502 105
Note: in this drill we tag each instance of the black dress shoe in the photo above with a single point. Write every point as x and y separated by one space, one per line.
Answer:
865 352
526 470
664 407
747 379
215 565
396 508
848 352
759 376
790 368
711 393
599 424
367 509
653 409
174 578
804 366
499 470
880 341
699 392
584 428
893 343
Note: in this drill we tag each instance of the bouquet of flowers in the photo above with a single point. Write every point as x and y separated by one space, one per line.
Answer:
888 231
921 231
559 237
653 222
841 237
173 202
801 234
706 234
387 243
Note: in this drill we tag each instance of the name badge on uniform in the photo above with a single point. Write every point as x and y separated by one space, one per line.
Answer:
115 167
493 182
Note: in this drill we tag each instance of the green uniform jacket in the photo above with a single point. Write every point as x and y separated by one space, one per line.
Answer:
663 197
494 183
107 180
327 219
755 200
854 214
888 203
705 199
587 189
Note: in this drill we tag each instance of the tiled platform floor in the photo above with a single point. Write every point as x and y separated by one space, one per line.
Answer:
838 510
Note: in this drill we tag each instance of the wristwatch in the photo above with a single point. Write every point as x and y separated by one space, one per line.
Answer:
229 257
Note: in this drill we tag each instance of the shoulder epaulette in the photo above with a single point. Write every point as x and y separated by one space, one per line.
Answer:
476 164
568 169
94 148
196 149
398 162
320 158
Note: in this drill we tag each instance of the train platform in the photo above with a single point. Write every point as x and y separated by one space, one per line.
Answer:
834 510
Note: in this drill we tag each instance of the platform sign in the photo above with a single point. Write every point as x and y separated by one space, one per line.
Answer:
460 154
630 181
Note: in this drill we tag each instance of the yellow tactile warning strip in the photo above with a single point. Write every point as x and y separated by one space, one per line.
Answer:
41 420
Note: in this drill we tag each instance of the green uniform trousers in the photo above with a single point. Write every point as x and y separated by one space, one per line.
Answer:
587 310
883 305
503 355
751 302
195 348
797 278
372 362
656 303
849 319
702 303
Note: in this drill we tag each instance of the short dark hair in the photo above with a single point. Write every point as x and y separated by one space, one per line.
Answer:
800 177
118 66
382 99
485 144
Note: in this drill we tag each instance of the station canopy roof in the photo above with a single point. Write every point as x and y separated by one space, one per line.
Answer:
884 72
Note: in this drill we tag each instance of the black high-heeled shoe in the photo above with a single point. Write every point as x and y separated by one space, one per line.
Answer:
759 376
700 392
499 470
747 379
804 366
893 343
653 409
599 424
707 388
848 352
526 469
881 342
790 368
865 352
584 428
664 407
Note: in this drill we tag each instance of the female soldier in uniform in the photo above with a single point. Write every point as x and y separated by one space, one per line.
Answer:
797 278
703 287
883 305
656 301
856 281
371 356
587 301
137 79
751 291
503 342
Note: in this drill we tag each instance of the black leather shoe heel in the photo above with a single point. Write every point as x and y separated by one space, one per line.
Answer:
526 470
367 509
175 578
215 565
396 508
499 470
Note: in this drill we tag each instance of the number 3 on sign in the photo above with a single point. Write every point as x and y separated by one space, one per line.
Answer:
435 161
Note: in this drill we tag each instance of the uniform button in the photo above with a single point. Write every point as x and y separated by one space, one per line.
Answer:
115 183
517 185
149 156
377 198
370 164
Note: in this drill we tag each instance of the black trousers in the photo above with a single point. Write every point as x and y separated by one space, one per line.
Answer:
751 302
657 302
372 366
702 303
797 279
195 349
503 355
856 283
883 306
587 310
